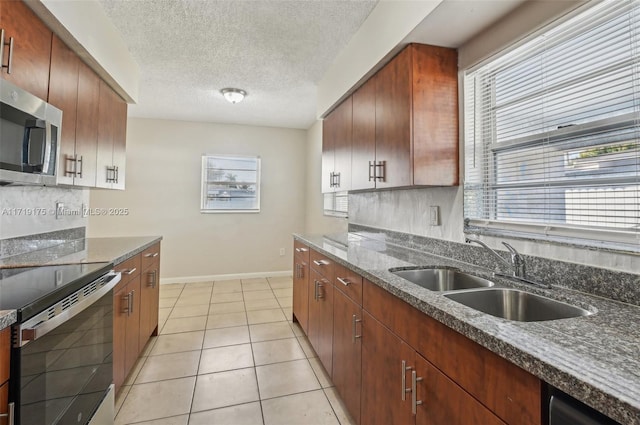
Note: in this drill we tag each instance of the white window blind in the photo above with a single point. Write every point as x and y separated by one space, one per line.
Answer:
552 132
230 183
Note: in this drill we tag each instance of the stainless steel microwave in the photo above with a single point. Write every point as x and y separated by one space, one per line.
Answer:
30 130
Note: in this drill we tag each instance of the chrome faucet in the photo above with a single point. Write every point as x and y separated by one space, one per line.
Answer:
517 264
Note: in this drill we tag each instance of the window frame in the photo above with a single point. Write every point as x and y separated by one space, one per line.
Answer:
203 184
476 147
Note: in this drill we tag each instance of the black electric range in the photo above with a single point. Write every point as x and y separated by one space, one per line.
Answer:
30 290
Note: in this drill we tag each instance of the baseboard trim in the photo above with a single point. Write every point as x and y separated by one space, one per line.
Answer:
208 278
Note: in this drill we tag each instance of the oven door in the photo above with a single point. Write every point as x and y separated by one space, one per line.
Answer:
61 363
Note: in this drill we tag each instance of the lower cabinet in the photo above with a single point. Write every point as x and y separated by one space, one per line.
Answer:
320 331
301 290
347 351
393 364
5 354
135 311
126 329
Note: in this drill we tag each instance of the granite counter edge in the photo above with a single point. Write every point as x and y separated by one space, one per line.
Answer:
7 318
136 251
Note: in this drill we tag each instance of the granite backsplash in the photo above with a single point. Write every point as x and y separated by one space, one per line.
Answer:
611 284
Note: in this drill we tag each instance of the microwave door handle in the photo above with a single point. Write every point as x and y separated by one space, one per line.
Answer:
26 142
47 148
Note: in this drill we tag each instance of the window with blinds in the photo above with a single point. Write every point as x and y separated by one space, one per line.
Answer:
552 132
230 184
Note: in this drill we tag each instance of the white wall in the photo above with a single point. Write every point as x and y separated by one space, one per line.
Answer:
315 221
163 196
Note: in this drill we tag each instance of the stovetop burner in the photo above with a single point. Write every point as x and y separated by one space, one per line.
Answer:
33 289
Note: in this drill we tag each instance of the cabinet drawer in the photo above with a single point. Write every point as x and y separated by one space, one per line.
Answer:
301 251
322 265
129 269
510 392
149 255
349 282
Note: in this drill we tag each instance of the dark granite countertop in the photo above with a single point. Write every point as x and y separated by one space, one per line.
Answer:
90 250
595 358
7 318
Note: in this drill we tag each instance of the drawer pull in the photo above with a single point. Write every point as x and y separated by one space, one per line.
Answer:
154 255
10 415
153 275
321 262
345 282
405 390
131 271
353 329
301 250
414 393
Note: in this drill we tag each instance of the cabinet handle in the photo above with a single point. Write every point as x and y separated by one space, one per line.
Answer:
301 250
315 290
301 271
10 59
117 174
337 177
10 415
133 294
152 282
331 179
372 171
127 307
154 255
353 329
320 286
345 282
414 393
382 165
405 390
321 262
130 271
81 162
111 174
68 159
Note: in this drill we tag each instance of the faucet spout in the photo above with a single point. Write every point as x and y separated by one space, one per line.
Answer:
517 264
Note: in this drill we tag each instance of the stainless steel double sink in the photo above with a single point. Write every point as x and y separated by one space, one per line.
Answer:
482 295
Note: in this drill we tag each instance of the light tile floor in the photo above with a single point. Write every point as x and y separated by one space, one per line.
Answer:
229 354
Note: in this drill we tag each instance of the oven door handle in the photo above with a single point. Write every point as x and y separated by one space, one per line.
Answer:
39 325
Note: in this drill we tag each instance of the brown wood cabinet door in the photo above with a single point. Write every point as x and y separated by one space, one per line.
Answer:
347 352
132 348
342 145
320 326
120 316
393 121
363 145
4 402
86 128
325 299
301 292
63 94
442 401
328 152
31 53
383 354
149 302
119 141
106 137
435 116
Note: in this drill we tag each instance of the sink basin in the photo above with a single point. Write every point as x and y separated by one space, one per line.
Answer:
442 279
512 304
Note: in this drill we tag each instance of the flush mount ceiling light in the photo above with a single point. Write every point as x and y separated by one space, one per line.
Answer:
233 95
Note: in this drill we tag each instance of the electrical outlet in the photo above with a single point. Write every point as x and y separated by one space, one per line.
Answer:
434 215
282 252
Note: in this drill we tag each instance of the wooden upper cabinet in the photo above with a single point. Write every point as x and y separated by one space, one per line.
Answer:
31 50
112 130
393 122
336 149
363 143
417 118
435 116
86 128
63 94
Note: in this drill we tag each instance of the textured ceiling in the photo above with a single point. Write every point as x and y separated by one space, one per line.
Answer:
275 50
